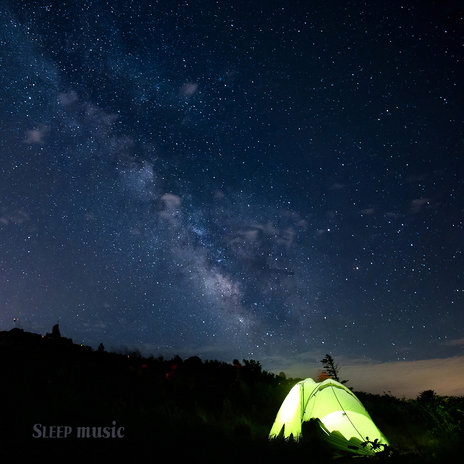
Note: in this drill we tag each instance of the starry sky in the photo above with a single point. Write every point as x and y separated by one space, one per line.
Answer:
267 179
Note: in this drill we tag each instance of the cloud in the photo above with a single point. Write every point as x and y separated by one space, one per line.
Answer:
367 211
13 217
188 89
36 135
171 212
212 351
419 204
403 378
409 378
458 342
171 201
67 98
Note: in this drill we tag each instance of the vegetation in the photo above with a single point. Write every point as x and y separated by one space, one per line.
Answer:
182 410
331 368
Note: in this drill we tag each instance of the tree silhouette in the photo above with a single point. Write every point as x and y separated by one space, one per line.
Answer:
427 396
331 368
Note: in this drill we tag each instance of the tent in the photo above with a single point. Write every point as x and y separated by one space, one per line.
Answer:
342 421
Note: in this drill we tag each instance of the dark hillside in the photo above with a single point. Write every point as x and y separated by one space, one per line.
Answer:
185 406
70 403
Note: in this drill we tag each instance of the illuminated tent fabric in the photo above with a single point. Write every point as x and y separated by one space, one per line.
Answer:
343 422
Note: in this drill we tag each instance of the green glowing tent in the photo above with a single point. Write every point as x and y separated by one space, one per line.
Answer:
342 421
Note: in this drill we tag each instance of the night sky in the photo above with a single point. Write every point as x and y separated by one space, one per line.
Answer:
267 179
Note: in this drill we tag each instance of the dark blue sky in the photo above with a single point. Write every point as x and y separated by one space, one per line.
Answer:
267 179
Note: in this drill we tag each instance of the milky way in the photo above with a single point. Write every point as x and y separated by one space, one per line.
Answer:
234 180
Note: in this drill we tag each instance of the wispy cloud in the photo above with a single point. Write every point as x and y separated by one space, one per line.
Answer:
457 342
